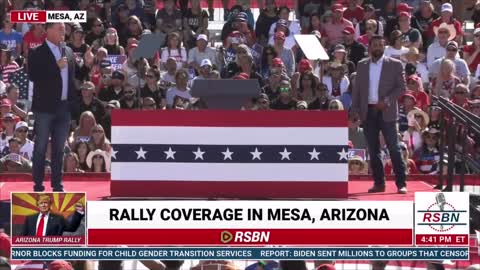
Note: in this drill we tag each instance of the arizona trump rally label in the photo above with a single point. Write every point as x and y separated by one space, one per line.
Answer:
442 218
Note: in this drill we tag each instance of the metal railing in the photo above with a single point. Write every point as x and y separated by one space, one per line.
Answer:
455 125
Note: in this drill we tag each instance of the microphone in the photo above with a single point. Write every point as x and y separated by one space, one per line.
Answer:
62 49
440 198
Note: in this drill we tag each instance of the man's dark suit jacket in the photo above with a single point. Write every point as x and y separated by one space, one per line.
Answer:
44 72
56 224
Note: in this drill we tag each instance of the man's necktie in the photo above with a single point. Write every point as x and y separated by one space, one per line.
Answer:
41 224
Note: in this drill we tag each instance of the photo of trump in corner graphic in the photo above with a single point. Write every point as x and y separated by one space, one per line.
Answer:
57 217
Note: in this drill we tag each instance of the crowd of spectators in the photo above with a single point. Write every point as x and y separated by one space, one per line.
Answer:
440 58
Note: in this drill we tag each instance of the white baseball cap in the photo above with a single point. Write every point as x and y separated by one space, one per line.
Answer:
21 124
203 37
447 7
206 62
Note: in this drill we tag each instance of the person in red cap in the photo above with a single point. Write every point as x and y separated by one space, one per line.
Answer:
335 29
411 36
354 12
356 51
407 103
370 14
415 88
284 53
392 19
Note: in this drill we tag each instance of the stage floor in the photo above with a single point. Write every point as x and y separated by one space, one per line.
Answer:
100 190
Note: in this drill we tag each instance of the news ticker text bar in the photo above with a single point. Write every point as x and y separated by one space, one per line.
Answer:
192 253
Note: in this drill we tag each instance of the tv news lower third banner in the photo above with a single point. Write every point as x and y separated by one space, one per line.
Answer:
241 253
230 223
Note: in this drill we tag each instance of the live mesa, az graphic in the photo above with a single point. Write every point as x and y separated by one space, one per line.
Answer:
441 215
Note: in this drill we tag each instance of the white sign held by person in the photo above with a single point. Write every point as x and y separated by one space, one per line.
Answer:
117 61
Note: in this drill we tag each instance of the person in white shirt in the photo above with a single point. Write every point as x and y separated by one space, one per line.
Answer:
461 67
205 71
396 49
413 57
337 83
437 49
174 49
380 81
197 54
180 90
21 132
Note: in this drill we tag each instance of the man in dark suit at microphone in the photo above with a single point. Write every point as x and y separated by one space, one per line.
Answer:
51 68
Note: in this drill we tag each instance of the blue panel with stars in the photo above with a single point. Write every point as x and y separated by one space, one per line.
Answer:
231 153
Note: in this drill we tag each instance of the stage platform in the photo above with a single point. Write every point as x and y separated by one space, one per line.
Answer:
97 186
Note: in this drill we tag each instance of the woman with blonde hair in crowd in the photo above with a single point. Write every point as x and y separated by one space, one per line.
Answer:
370 30
98 140
85 124
445 83
335 105
111 42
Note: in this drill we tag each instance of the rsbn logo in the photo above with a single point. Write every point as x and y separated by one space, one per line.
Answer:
441 215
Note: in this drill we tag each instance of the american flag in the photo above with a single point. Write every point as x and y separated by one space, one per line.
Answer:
288 154
20 78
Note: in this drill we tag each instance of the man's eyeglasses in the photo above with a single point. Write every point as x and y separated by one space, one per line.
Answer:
452 50
460 93
284 89
22 130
